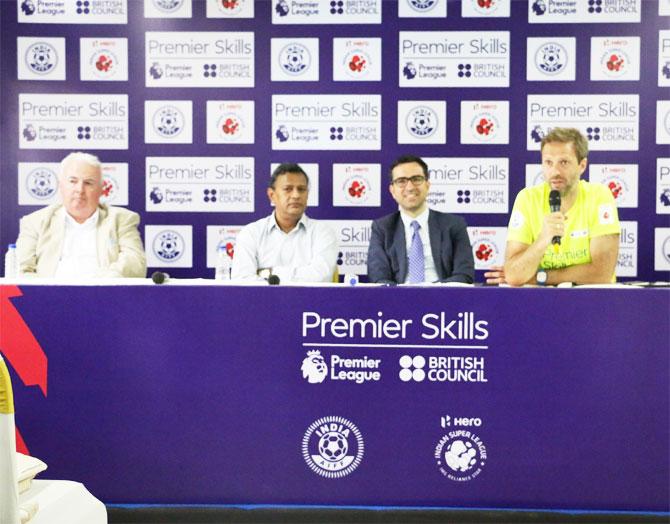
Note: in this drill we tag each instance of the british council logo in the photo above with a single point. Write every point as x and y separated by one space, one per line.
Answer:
421 122
551 58
168 121
460 455
168 246
41 58
422 6
42 183
295 59
168 6
314 368
332 447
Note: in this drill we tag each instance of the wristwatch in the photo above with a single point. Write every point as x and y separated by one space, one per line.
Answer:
541 277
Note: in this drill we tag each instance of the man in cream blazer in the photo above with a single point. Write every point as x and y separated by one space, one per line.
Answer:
80 237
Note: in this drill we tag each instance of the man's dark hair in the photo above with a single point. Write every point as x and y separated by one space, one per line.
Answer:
409 159
286 167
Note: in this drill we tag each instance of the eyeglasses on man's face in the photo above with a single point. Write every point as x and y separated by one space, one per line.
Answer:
402 181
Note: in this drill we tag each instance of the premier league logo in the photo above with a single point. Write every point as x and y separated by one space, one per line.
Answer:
551 58
295 59
29 133
421 122
665 197
168 121
332 447
282 134
539 7
41 58
28 7
156 195
666 70
156 71
168 246
537 134
314 367
42 183
281 8
409 71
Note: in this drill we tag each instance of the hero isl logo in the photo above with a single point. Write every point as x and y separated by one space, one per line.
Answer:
230 126
357 63
230 7
485 251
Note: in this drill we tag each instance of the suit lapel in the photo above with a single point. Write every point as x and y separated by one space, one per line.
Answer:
400 248
435 234
102 237
53 243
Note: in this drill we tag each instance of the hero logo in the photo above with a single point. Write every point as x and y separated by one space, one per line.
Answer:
484 126
551 58
230 126
109 188
103 63
486 251
359 370
168 121
357 63
447 421
614 62
295 59
168 246
421 122
41 58
42 183
485 7
230 7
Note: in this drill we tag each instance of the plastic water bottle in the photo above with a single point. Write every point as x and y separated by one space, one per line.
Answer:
223 264
11 264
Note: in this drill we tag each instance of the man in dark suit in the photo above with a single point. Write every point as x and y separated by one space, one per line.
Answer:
417 244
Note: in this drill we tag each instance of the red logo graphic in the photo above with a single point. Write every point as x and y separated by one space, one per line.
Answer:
485 126
20 348
107 187
230 126
356 189
229 4
230 249
357 64
103 63
615 63
484 252
484 4
615 188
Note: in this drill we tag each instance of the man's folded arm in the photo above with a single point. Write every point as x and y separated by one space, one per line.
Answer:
132 261
604 254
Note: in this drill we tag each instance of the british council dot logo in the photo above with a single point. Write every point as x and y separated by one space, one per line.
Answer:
314 368
460 455
421 122
295 59
333 447
168 246
167 6
412 368
41 58
422 6
551 58
42 183
168 121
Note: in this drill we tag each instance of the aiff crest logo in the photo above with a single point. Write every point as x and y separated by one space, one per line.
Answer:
333 447
295 59
168 246
551 58
422 6
168 121
42 183
168 6
314 367
41 58
421 122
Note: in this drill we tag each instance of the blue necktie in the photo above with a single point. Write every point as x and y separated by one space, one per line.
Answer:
416 261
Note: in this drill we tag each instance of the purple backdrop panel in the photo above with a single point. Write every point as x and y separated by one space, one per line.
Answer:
450 397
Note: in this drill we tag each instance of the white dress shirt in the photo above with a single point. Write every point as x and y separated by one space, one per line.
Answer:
79 258
307 253
430 273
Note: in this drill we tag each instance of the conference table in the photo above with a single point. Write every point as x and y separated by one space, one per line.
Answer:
440 396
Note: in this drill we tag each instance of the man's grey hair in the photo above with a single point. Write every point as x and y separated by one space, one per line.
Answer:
78 156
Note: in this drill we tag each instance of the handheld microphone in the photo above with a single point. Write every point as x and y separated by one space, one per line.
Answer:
159 277
554 206
273 280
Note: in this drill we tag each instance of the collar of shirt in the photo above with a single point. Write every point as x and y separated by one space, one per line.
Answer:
273 224
422 219
89 223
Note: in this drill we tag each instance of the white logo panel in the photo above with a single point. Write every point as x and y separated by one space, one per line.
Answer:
230 8
663 186
326 11
357 59
167 9
103 59
551 59
583 12
615 58
168 121
663 121
484 122
626 265
72 121
294 59
230 122
356 185
169 246
663 7
422 8
40 58
200 184
71 12
609 122
485 8
312 170
620 179
328 122
353 238
221 236
664 58
199 59
488 246
534 175
422 122
662 249
454 59
38 183
468 185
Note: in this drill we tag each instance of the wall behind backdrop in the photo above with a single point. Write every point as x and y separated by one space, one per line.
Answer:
190 104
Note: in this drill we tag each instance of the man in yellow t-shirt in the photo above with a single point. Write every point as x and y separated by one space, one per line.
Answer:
587 222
